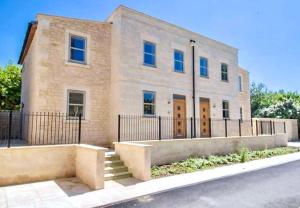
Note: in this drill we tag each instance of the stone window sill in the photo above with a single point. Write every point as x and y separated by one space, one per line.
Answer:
77 64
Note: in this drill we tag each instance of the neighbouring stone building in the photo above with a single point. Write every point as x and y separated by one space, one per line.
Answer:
130 64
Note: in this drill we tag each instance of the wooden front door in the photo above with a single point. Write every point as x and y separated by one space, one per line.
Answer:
204 117
179 114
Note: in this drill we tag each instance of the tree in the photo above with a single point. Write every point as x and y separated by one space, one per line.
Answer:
268 104
259 100
286 109
10 87
273 104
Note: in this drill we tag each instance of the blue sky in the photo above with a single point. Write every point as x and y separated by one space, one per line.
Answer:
266 32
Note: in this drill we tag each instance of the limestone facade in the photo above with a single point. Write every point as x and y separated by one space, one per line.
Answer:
114 76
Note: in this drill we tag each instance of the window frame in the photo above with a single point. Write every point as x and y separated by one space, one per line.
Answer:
222 72
200 67
152 104
174 63
83 105
240 78
79 49
146 64
223 109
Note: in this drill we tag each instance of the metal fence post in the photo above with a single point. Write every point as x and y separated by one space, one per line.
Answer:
209 127
191 127
9 128
284 127
240 129
271 129
159 127
226 127
79 130
256 128
251 126
195 128
21 124
119 128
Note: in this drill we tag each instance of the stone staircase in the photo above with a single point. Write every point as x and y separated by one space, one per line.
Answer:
114 167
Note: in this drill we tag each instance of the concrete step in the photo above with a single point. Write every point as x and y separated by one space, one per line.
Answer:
112 157
113 163
110 152
114 176
116 169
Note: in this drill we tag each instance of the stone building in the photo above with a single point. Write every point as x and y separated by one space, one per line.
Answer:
130 64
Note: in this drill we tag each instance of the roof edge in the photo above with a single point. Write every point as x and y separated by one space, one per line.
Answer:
26 43
72 18
243 69
121 6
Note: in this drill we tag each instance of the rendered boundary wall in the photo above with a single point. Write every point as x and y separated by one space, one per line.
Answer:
140 156
38 163
291 126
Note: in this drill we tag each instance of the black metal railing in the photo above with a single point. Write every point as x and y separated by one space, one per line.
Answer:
40 128
45 128
141 128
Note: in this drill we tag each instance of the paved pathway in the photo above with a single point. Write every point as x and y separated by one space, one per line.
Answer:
72 193
294 144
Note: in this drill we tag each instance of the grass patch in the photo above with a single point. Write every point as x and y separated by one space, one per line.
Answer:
195 163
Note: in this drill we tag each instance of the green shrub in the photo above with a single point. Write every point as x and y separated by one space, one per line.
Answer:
196 163
244 154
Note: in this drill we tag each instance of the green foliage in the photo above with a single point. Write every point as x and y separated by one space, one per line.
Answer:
259 97
244 154
284 109
10 87
268 104
200 163
281 104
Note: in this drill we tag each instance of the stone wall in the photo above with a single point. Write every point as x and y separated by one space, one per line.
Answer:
30 69
114 77
244 96
167 151
140 156
89 164
291 126
39 163
137 157
53 75
131 77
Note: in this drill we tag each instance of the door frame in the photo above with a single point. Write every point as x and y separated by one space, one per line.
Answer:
205 100
181 98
